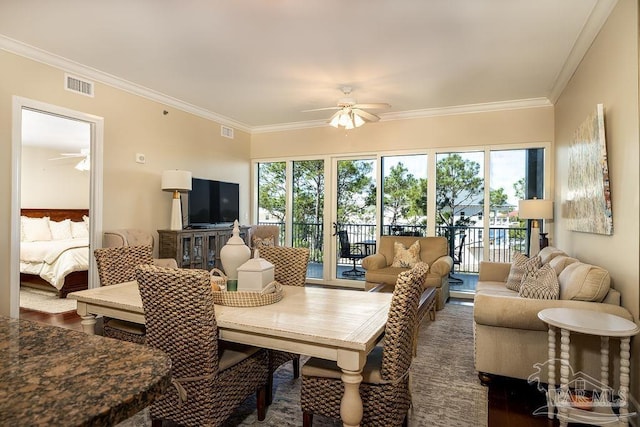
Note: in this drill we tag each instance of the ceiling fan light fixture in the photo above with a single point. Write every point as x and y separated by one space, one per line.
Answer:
84 164
344 119
335 121
357 120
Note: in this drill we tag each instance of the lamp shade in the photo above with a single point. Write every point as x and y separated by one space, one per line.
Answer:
176 180
535 209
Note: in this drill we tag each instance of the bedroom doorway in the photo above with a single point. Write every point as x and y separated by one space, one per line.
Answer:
50 143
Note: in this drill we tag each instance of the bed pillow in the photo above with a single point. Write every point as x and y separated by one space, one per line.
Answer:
406 258
540 284
36 229
521 264
60 230
79 229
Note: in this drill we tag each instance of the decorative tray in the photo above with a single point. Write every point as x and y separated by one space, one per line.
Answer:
269 295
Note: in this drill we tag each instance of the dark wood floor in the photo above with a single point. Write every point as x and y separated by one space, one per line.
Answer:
511 402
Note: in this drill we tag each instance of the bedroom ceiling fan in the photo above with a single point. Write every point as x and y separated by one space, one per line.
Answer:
82 165
350 114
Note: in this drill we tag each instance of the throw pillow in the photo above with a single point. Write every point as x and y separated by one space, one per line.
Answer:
60 230
540 284
79 229
260 242
36 229
406 258
520 264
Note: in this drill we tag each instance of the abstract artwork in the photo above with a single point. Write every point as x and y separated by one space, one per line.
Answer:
589 195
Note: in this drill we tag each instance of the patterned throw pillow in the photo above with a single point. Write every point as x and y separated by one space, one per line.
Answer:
540 284
260 242
519 266
406 258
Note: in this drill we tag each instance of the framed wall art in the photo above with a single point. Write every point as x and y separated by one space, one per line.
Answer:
589 193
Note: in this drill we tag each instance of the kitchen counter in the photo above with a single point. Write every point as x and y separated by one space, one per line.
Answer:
59 377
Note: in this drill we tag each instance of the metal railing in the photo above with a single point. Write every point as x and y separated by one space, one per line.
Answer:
466 244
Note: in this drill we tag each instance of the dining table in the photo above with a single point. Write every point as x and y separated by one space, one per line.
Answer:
333 324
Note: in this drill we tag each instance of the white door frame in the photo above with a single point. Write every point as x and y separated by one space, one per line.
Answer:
95 193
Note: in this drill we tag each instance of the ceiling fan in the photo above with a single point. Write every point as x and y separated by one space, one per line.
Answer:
84 164
350 114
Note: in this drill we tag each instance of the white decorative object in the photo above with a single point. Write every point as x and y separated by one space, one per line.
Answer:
255 274
176 181
234 253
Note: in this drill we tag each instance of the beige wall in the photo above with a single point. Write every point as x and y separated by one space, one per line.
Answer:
52 183
609 75
452 131
132 124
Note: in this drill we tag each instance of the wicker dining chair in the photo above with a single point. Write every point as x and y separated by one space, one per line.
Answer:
290 268
117 265
210 378
385 386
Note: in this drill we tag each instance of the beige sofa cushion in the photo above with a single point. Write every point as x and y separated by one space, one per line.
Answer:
548 253
584 282
560 262
431 248
403 257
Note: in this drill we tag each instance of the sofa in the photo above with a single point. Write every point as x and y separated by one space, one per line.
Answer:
380 274
510 339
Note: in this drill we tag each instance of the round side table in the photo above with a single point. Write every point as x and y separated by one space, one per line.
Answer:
605 326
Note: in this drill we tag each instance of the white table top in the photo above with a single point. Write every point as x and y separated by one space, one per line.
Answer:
589 322
348 319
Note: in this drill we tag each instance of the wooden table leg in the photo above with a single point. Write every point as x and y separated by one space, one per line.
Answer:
351 406
88 320
625 355
564 377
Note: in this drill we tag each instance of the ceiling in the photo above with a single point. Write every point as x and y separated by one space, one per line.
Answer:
257 64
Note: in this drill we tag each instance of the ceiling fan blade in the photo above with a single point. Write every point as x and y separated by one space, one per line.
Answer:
366 115
321 109
375 105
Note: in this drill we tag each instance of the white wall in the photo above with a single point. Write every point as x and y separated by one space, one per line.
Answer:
52 184
132 124
609 75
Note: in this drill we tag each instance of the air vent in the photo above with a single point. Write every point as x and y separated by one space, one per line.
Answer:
226 131
78 85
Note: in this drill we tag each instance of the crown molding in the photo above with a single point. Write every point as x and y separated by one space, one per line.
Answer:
598 17
417 114
56 61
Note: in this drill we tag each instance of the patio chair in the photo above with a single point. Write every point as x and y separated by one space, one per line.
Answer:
457 260
385 377
352 252
210 378
290 268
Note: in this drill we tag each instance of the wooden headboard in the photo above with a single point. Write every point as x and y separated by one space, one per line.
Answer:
56 214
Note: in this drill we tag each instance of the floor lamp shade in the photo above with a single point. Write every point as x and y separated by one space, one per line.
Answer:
176 181
535 209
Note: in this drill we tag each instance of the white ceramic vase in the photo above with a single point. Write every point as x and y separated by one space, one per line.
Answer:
234 253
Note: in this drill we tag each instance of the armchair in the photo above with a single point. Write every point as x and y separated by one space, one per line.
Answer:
433 250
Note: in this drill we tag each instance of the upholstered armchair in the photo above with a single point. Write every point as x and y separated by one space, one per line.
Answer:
381 271
264 235
134 237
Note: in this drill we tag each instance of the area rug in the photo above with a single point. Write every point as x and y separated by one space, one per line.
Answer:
46 302
445 387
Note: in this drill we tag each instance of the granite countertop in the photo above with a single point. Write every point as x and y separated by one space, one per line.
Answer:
59 377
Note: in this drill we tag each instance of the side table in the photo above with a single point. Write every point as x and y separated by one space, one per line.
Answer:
605 326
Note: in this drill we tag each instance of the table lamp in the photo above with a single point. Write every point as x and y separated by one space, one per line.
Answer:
536 209
176 181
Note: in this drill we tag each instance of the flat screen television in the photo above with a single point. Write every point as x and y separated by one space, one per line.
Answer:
213 203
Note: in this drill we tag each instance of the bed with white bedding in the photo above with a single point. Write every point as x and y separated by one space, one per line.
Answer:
54 249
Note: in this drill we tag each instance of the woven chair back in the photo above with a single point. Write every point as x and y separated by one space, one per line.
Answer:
118 264
401 322
290 263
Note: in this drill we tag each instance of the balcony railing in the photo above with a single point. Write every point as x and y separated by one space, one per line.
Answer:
466 244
